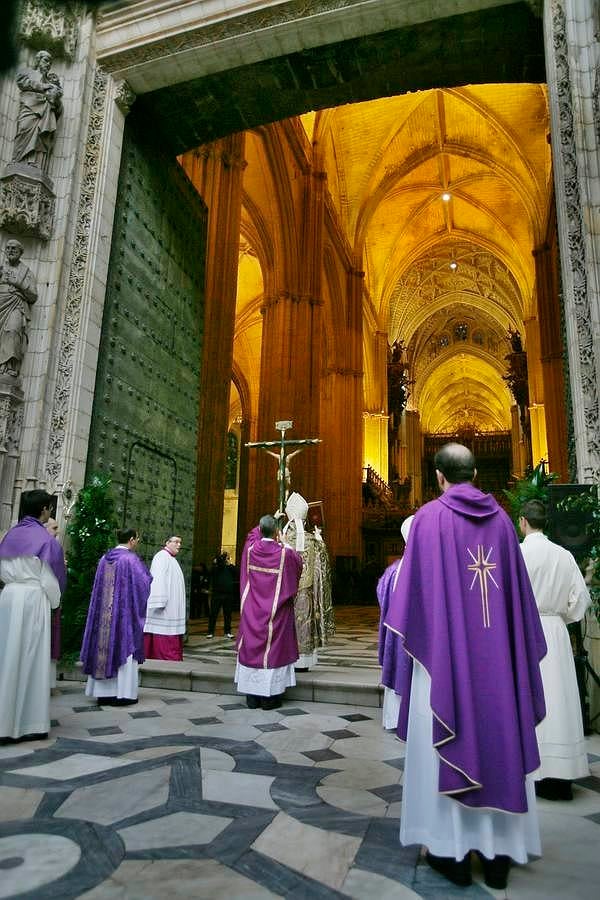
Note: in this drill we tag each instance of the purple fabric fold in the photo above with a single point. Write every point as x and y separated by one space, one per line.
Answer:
269 576
464 607
117 612
392 657
29 538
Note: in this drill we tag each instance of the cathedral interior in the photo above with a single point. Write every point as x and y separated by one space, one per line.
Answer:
441 201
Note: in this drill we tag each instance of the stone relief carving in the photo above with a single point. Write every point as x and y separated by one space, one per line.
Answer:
81 246
40 107
27 201
596 101
18 293
266 17
46 24
125 97
565 144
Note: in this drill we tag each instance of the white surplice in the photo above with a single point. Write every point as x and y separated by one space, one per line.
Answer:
31 591
443 824
562 597
166 603
124 686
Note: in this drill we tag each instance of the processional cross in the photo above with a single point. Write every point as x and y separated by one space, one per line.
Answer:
283 472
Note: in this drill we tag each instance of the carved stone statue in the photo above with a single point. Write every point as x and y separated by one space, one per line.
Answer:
18 292
39 110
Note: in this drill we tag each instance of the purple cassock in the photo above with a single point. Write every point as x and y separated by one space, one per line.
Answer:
29 538
115 622
269 576
464 608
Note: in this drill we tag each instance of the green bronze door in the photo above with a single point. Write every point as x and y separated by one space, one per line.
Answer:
145 415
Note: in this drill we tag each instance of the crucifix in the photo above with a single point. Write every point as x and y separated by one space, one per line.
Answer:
283 457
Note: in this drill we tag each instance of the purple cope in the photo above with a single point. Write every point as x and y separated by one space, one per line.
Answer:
269 577
464 608
115 623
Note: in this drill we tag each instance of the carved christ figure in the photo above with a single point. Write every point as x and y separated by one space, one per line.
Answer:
18 292
39 110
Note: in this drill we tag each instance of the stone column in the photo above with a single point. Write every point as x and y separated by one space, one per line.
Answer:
290 372
341 429
551 353
216 172
412 454
572 65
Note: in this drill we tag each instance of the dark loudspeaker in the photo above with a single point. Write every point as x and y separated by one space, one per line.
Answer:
569 528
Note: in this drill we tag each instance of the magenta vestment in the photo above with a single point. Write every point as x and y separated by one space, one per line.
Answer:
464 607
115 622
269 576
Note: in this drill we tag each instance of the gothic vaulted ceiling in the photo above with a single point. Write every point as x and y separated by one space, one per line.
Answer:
445 193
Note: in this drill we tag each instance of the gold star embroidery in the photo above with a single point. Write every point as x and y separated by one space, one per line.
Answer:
482 569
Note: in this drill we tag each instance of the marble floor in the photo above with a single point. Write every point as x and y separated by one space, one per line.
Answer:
191 795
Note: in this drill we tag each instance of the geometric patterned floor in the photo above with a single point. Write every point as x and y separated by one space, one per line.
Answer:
191 795
354 643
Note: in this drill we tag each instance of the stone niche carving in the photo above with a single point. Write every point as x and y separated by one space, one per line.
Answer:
46 24
27 201
124 97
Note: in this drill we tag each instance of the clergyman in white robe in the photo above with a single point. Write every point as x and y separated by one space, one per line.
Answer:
562 597
165 616
31 590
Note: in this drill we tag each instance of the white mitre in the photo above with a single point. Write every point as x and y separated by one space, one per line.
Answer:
296 509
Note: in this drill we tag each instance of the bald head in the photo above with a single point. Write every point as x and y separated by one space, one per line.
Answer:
456 463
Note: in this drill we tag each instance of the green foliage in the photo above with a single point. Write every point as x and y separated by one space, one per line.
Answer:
91 532
588 504
533 487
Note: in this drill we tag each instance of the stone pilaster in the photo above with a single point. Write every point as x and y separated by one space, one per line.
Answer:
341 430
572 59
216 172
291 359
411 454
551 353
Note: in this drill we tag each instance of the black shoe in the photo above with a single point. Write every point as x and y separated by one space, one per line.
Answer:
107 701
458 873
273 702
252 702
125 701
495 871
554 789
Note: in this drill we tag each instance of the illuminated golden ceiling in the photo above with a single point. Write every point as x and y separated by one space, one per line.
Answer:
388 163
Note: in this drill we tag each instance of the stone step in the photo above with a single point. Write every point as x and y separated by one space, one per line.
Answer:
352 685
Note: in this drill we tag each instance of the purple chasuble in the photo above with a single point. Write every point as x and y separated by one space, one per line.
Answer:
29 538
464 608
269 576
115 622
393 660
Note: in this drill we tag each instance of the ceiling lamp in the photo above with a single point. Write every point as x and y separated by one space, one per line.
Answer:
446 196
454 265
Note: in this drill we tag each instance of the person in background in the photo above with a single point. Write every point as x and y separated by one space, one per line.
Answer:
222 580
52 528
562 597
392 657
165 616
